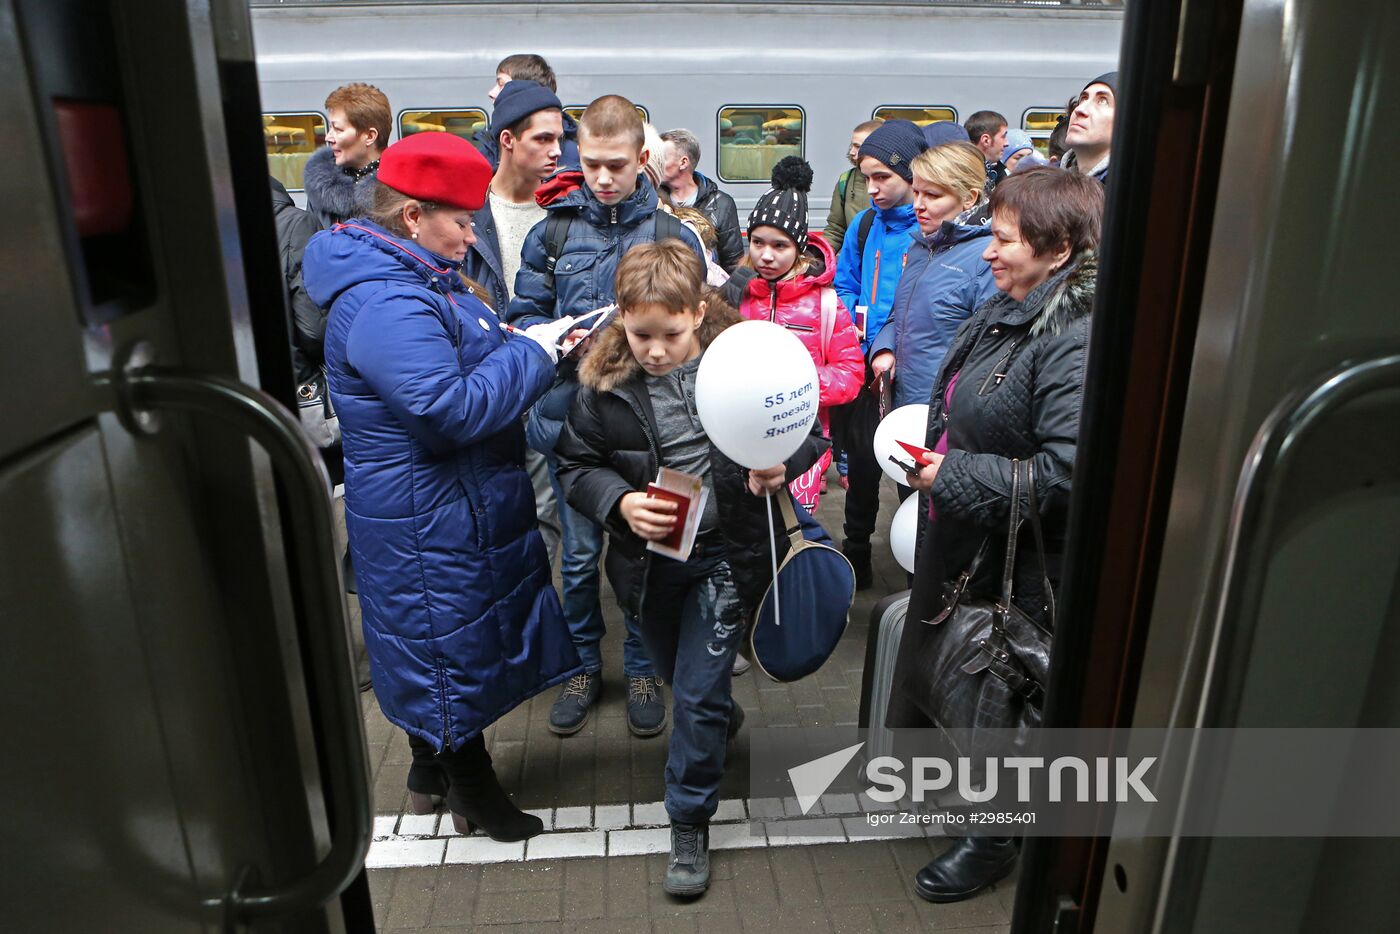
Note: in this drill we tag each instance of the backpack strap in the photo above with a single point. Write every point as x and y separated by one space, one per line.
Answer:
667 225
844 183
556 234
867 221
828 320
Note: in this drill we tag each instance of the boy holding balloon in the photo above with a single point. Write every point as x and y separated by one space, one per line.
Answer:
637 411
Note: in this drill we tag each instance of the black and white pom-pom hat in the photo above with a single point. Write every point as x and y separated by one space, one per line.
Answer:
784 206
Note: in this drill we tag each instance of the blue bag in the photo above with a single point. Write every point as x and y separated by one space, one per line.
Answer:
816 585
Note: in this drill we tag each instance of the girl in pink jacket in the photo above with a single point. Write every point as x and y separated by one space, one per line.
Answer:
790 284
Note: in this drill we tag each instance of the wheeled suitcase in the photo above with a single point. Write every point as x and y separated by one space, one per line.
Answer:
881 650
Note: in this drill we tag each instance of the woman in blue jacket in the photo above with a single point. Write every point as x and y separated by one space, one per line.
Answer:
945 277
461 620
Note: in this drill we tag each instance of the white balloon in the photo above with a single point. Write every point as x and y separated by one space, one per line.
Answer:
908 423
757 393
904 531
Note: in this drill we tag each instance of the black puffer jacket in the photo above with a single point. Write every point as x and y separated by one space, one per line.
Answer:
294 229
724 215
607 450
1021 381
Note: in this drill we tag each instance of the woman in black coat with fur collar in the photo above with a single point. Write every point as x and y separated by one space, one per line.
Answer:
1009 390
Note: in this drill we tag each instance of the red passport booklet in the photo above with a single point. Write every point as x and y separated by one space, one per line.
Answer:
682 501
688 492
922 456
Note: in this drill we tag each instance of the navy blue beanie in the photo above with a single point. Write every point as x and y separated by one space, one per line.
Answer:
517 100
895 143
945 131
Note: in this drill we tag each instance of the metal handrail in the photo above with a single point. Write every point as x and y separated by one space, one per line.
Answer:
144 390
1278 441
1275 445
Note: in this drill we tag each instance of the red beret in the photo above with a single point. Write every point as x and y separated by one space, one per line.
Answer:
437 167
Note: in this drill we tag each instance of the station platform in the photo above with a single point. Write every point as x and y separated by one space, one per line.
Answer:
600 863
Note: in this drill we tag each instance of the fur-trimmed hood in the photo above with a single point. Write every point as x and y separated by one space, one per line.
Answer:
332 196
610 363
1068 295
1058 301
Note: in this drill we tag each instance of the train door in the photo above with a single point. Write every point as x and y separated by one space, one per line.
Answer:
188 752
1239 563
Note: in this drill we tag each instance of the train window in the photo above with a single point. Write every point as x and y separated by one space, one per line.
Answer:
1039 122
752 139
463 123
290 139
923 116
575 113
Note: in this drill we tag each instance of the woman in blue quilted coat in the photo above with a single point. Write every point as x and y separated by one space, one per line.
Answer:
460 617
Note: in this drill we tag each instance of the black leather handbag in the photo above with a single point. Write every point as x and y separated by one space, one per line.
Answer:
990 668
317 414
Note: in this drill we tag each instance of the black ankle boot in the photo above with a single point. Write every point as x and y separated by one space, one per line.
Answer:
477 800
858 553
427 779
970 866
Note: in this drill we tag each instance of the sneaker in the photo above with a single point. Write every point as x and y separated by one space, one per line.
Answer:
646 709
570 710
736 719
741 665
688 872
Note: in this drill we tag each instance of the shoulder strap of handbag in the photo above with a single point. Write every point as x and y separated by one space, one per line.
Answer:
1013 525
667 225
790 524
1013 528
1034 509
828 320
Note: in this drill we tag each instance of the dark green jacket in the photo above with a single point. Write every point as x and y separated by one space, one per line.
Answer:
848 199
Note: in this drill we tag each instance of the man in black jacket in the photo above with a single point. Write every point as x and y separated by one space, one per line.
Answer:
294 229
691 189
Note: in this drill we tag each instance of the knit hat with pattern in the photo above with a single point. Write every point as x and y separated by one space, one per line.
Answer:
784 206
895 143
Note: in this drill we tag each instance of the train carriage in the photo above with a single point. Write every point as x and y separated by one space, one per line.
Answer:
754 81
188 750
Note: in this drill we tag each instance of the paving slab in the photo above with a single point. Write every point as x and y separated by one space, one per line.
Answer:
600 793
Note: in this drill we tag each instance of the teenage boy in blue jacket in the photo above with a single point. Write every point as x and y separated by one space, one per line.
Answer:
610 206
867 275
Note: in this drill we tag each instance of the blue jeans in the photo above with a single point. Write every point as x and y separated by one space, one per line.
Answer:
579 568
692 623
